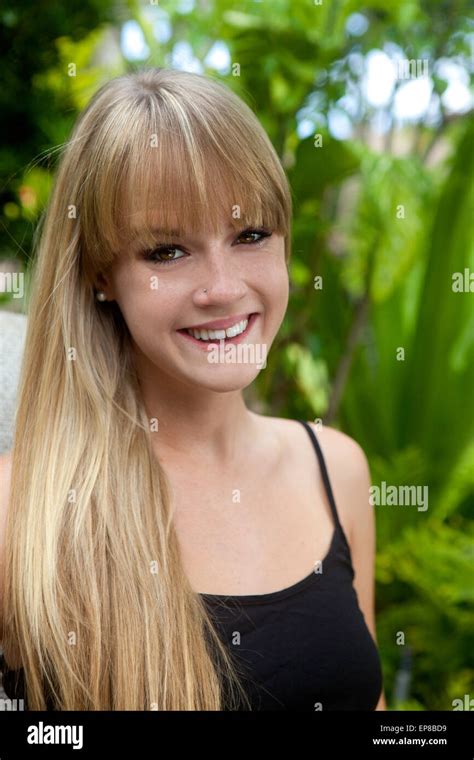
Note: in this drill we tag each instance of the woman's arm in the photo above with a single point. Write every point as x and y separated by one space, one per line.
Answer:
362 541
350 478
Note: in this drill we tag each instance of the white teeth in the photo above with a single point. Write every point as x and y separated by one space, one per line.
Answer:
231 332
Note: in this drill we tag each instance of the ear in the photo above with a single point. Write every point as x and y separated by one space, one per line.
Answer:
102 282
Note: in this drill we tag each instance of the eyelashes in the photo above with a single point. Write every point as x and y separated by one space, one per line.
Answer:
162 248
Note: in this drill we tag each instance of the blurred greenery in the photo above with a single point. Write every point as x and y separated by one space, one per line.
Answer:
381 346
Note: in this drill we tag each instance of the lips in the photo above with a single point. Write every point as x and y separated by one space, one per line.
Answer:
219 324
203 344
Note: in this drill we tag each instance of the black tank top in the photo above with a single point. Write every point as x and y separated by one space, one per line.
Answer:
306 647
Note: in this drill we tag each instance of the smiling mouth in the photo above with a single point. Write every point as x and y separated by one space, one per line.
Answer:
231 335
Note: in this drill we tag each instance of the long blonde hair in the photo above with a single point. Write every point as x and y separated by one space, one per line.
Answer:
96 601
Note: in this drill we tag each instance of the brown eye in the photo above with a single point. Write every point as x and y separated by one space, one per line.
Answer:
252 241
163 255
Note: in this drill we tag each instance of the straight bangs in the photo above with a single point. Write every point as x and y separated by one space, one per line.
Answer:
178 166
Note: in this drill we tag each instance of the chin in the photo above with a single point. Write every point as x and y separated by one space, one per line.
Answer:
227 381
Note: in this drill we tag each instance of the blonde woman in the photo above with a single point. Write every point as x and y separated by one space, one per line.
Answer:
164 547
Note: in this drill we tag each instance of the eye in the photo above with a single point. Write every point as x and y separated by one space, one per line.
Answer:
262 234
165 250
168 251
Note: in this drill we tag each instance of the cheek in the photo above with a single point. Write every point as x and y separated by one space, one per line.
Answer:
277 290
144 303
275 272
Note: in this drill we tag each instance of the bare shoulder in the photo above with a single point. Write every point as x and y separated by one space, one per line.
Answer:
347 467
343 452
5 476
349 474
345 460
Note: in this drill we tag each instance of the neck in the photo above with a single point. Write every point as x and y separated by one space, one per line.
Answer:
205 428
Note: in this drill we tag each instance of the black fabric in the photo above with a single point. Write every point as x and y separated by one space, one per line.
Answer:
305 647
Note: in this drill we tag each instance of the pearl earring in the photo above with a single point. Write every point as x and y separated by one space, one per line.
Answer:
100 296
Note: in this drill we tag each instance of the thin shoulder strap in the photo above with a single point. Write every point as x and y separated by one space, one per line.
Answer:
324 473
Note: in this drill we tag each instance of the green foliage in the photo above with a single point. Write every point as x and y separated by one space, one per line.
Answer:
36 116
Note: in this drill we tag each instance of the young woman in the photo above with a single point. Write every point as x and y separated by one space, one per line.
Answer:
164 547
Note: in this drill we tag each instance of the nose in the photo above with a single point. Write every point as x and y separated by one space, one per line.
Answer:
220 278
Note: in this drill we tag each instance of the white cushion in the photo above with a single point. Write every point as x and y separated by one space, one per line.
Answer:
12 339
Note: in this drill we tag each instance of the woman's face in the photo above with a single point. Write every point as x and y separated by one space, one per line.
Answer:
243 274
